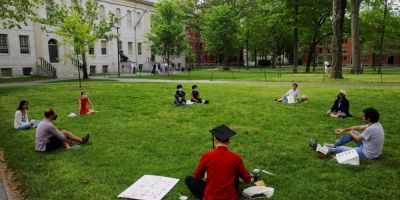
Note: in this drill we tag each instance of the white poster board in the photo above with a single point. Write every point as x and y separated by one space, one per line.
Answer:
149 187
348 157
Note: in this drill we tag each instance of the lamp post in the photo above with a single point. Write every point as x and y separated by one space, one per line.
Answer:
118 41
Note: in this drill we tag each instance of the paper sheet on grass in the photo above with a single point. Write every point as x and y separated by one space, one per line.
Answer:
149 187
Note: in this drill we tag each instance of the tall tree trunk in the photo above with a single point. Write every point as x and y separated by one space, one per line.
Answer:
296 36
84 66
355 36
339 9
382 37
225 61
374 61
273 60
255 58
311 52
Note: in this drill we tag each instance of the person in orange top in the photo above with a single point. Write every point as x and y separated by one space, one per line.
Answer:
223 168
82 102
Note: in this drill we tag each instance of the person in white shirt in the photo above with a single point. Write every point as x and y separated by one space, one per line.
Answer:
133 66
21 120
293 93
326 65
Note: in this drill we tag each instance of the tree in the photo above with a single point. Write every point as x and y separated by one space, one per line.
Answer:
80 26
167 36
14 13
316 27
295 4
338 9
220 31
355 36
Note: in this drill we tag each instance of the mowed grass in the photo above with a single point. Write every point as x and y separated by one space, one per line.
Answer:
138 131
389 75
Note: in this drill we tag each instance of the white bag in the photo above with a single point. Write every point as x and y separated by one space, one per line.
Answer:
258 191
349 157
72 115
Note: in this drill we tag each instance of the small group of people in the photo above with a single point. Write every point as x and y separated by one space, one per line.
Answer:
180 98
48 137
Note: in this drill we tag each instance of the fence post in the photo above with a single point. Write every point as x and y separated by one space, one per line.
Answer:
212 73
265 76
381 77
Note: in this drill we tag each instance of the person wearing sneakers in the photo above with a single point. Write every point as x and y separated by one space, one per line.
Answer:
341 106
369 143
48 137
222 167
195 96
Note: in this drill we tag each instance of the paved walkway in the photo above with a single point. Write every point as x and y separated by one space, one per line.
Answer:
144 80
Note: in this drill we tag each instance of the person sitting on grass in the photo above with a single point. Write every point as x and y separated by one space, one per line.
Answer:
195 96
340 106
369 143
223 168
49 138
179 96
293 94
21 120
82 102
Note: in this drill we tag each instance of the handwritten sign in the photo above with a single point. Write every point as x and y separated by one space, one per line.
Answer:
149 187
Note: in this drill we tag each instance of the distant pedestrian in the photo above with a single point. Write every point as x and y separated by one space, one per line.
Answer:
133 66
326 66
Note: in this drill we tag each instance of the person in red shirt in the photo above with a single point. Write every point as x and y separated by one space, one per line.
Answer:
82 102
223 168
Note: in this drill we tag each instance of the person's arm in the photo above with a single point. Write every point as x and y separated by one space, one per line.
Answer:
200 169
334 106
192 98
341 130
79 106
90 102
17 118
53 130
243 173
356 136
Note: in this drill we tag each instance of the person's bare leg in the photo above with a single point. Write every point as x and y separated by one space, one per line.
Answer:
71 136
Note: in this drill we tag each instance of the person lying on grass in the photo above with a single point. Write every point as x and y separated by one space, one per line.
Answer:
340 106
48 137
223 168
195 96
82 102
293 93
179 96
21 120
369 143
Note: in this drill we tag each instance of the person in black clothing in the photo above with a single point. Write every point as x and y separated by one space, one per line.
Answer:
340 107
179 96
195 96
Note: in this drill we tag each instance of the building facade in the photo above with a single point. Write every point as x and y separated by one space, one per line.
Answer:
21 50
324 52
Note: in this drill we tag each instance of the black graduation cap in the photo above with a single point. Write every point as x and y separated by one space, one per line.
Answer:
222 133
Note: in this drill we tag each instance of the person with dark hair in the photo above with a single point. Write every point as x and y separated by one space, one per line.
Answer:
21 120
222 167
340 107
49 138
82 102
291 96
195 96
179 96
369 143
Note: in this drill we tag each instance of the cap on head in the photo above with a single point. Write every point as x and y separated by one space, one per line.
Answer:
342 92
222 133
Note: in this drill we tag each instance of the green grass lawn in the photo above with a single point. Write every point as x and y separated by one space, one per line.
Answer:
389 75
138 131
22 79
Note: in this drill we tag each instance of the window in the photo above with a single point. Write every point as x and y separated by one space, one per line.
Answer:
139 48
91 50
129 19
27 71
3 44
118 13
130 49
103 47
6 72
102 12
24 44
48 7
105 69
